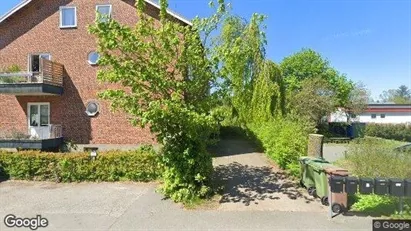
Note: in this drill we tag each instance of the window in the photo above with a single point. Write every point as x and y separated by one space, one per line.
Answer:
68 17
34 61
44 115
39 114
93 58
104 11
373 116
382 116
92 108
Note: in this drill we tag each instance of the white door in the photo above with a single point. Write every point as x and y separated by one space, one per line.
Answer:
39 120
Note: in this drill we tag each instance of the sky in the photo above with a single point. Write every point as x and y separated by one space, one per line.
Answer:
368 40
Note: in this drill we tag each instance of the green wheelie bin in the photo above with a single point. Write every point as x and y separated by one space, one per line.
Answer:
320 176
307 175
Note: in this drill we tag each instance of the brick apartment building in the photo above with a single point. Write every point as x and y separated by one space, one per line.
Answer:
53 94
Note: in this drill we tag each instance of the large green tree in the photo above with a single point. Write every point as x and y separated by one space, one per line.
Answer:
238 53
165 79
401 95
314 100
307 64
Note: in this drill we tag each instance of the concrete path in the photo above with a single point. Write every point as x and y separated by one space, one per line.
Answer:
252 184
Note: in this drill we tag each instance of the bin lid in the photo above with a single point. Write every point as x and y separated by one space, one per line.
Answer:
318 164
396 180
304 159
334 170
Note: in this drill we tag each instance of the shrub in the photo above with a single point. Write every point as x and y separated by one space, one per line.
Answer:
109 166
374 157
381 205
284 140
400 132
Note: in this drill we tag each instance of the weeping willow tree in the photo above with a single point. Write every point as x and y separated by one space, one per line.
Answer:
268 98
238 53
252 85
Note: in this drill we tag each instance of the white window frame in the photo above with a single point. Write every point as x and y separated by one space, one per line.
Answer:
61 16
38 104
105 5
39 54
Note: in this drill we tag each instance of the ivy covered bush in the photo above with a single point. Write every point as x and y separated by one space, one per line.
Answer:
401 132
139 165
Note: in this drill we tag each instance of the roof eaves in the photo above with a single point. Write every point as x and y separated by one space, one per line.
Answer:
170 12
14 9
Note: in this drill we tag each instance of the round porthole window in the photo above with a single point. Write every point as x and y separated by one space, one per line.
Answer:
92 108
93 58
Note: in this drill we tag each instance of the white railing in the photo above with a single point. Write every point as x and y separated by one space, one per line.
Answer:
56 131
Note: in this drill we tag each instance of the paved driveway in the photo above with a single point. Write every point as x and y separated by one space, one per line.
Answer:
334 152
256 197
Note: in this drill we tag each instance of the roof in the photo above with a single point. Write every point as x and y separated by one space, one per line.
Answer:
26 2
391 105
388 108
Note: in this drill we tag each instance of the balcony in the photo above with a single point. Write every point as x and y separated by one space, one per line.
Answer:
46 138
48 81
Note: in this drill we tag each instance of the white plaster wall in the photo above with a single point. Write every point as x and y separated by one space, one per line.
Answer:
390 117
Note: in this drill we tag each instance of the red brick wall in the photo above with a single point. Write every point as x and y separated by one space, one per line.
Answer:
35 29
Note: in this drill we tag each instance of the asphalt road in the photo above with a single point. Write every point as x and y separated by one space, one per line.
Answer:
129 206
256 197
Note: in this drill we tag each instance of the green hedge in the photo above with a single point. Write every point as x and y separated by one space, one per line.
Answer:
139 165
284 141
400 132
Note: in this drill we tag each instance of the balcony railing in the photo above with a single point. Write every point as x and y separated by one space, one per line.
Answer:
53 131
50 73
56 131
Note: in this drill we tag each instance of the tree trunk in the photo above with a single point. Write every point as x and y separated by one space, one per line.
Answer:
315 145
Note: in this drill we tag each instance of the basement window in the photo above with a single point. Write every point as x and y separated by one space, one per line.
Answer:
68 17
382 116
373 116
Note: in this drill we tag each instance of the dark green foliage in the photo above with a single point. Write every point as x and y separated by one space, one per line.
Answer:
401 132
109 166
